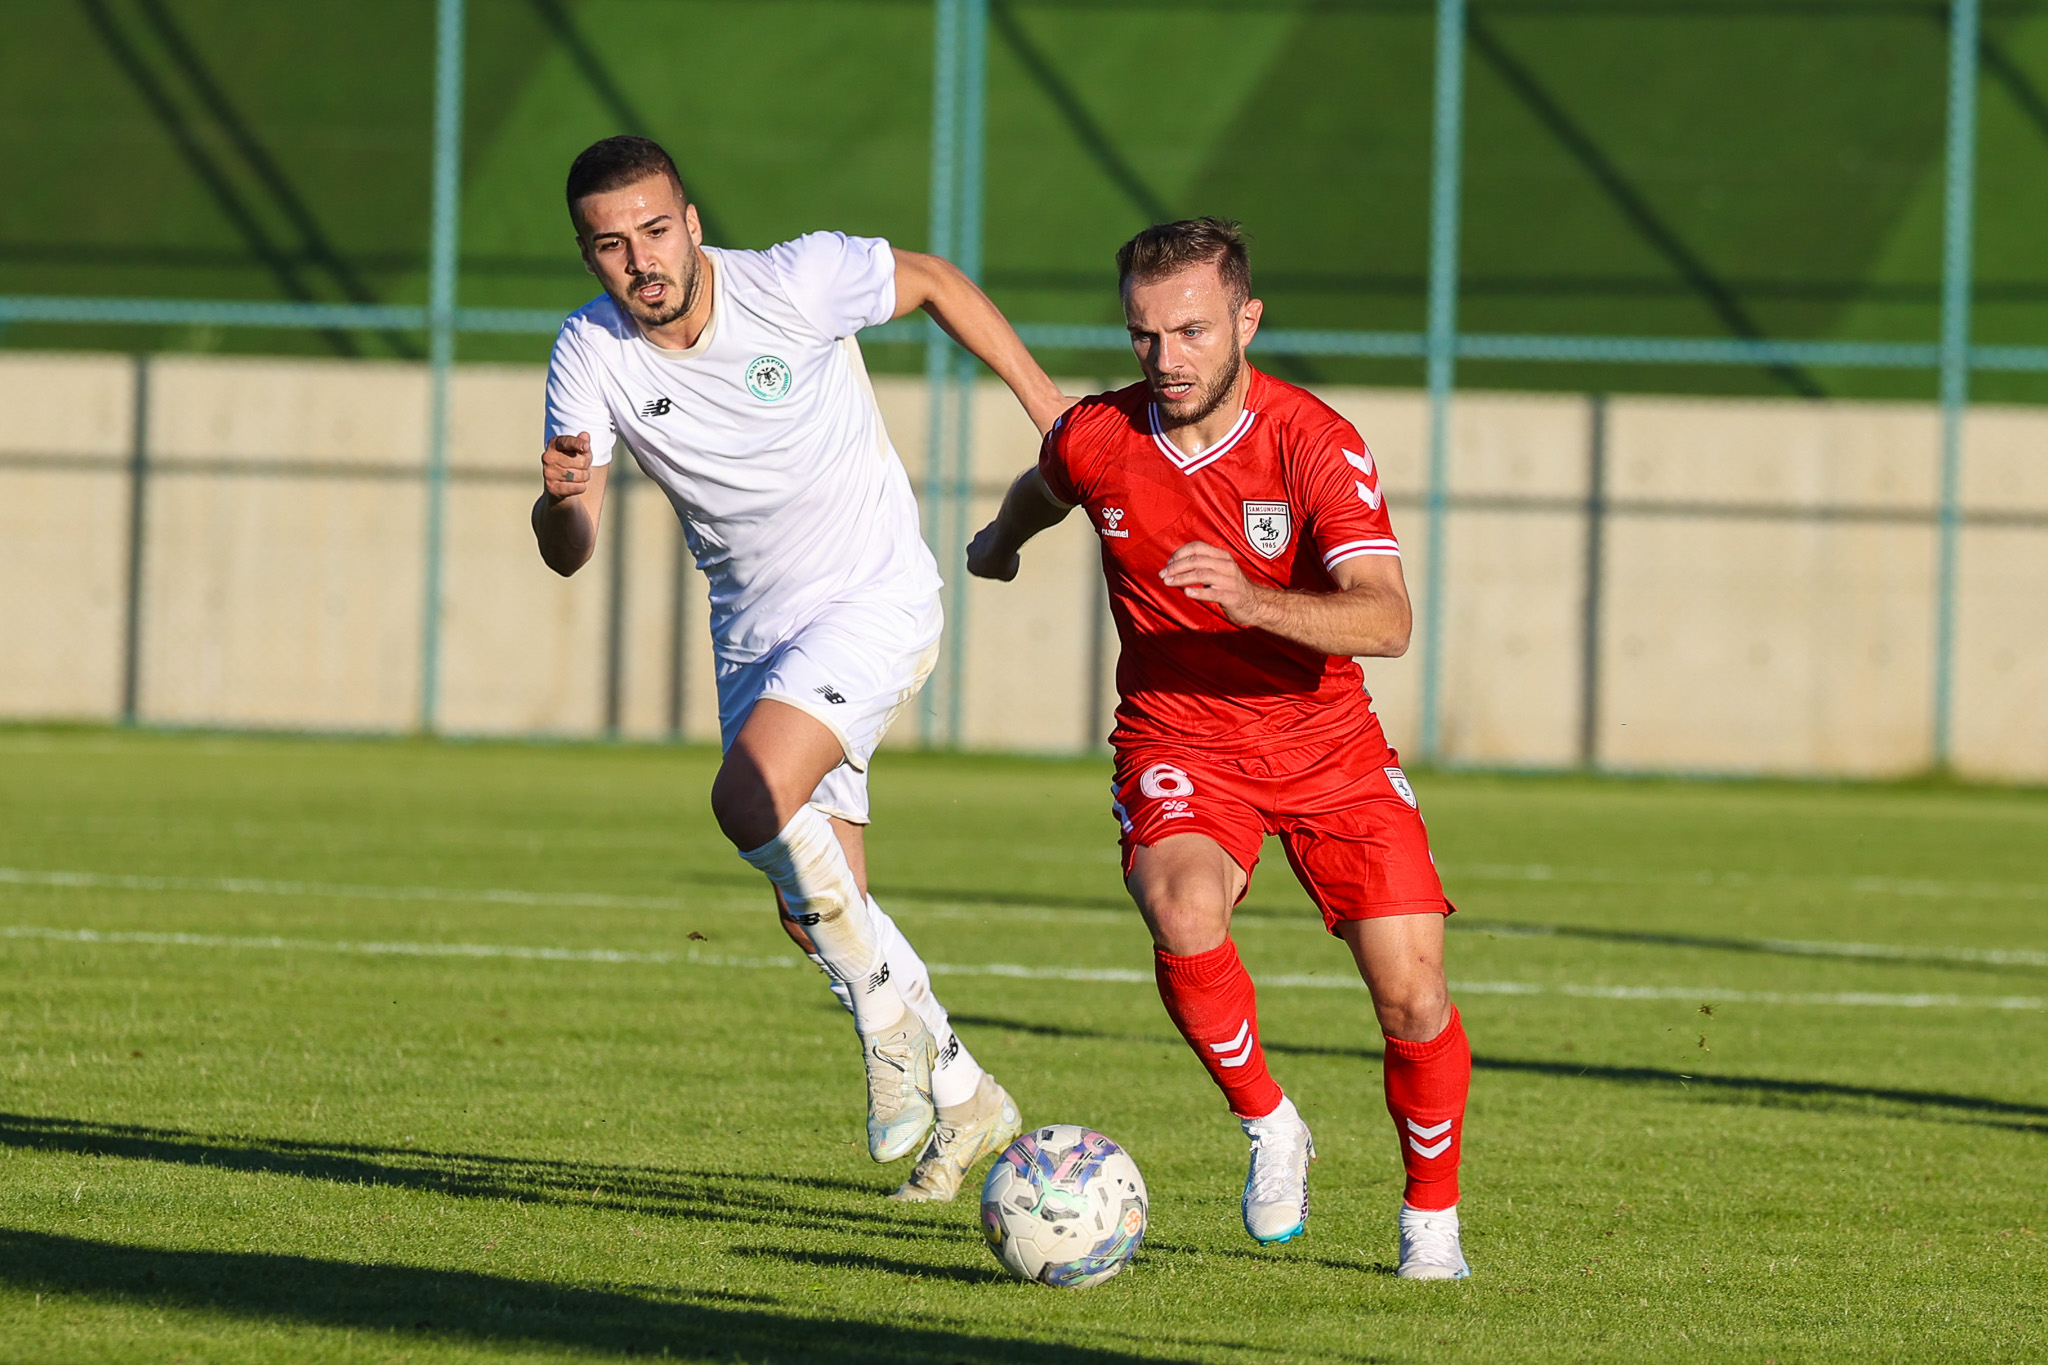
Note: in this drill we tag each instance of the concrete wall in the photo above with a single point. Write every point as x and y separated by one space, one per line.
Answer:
1767 602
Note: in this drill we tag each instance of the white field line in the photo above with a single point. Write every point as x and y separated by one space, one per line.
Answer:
251 886
1120 975
1870 886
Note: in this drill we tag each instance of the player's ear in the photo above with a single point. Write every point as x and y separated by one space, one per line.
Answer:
1248 320
695 226
583 250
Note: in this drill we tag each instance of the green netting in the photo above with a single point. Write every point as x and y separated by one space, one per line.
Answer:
1719 170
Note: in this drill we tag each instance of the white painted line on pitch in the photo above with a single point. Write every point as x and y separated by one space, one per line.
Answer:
1882 886
251 886
1120 975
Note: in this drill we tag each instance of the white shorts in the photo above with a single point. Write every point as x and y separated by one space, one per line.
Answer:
853 669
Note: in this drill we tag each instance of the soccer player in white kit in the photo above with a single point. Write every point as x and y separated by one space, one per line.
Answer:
734 379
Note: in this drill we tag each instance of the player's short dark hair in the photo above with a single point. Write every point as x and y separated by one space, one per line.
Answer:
1169 248
616 163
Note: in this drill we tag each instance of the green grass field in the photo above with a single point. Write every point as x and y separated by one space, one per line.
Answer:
233 1127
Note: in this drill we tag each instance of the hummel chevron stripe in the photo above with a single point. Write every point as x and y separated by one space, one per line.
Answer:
1241 1046
1434 1150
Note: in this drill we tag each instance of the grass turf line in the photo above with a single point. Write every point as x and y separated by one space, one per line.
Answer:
317 1157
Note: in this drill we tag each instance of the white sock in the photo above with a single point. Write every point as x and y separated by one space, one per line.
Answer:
1283 1112
955 1074
810 870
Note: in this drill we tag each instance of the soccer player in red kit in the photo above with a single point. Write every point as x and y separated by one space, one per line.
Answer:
1249 559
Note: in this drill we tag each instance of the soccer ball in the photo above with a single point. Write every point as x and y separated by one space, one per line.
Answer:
1064 1206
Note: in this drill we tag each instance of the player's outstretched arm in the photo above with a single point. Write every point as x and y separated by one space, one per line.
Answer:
957 304
572 496
1028 508
1368 615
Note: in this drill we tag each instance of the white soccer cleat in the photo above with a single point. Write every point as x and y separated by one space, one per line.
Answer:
1429 1245
965 1134
899 1067
1276 1186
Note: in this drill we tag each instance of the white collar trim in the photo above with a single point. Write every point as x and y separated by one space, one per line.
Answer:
1201 459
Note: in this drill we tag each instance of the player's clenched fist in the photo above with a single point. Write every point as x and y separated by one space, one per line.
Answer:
565 465
987 558
1208 574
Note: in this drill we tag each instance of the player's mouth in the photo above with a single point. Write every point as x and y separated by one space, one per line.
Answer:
651 292
1174 390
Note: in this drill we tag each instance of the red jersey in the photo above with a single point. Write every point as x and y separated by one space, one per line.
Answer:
1291 492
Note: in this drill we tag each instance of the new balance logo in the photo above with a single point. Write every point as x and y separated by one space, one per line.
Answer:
1418 1135
805 920
879 979
1362 462
948 1052
657 407
1238 1050
831 694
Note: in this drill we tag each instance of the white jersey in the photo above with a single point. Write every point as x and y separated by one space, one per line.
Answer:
765 435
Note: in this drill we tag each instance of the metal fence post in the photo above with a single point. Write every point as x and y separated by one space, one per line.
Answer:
1958 227
617 489
1596 573
678 633
969 148
138 528
1446 171
441 280
938 362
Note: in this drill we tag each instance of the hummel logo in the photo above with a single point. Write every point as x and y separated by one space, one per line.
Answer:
656 408
831 694
1420 1133
1362 462
1112 519
1241 1046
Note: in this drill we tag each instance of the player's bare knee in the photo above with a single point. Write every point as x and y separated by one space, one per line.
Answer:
1414 1009
1184 922
743 805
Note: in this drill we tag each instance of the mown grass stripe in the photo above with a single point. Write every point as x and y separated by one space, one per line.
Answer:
958 907
1120 975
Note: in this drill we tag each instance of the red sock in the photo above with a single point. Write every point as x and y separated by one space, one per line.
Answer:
1210 998
1426 1088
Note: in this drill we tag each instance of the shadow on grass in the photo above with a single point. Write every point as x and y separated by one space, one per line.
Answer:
1818 1095
724 1197
481 1308
1904 956
845 1260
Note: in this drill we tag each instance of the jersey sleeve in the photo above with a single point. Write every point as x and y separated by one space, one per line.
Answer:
1340 492
1057 461
575 402
839 283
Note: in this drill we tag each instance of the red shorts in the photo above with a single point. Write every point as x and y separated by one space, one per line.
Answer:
1343 810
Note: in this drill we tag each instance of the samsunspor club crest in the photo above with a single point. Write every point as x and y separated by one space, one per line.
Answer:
768 378
1267 526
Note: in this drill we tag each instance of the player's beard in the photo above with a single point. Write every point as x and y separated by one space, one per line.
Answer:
1197 406
662 317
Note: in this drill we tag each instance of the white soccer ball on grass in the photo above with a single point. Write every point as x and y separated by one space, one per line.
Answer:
1064 1206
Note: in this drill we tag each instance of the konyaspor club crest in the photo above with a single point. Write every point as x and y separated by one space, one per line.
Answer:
768 378
1267 526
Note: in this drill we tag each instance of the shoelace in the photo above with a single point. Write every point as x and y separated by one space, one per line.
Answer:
1433 1241
1278 1167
